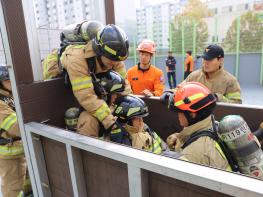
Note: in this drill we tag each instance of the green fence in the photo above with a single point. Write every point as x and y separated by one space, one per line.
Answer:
243 35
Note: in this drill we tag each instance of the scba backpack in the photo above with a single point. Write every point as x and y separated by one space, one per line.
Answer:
74 34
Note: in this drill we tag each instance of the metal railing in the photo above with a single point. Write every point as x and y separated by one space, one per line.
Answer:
137 162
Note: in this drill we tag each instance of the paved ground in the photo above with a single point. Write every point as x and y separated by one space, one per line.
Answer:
252 95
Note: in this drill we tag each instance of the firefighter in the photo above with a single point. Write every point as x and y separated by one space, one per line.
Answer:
146 79
215 77
194 104
12 158
130 111
105 52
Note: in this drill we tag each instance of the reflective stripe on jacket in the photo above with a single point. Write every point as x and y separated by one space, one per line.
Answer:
8 122
156 146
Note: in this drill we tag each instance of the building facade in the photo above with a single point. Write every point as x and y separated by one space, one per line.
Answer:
53 15
225 12
153 21
60 13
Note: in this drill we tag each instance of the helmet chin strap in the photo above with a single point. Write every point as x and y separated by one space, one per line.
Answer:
190 119
100 61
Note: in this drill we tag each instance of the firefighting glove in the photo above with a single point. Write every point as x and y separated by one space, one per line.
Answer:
165 96
118 134
171 141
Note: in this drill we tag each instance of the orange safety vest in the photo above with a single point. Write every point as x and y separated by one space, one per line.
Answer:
151 79
189 64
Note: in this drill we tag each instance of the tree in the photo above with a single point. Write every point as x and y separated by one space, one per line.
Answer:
194 29
251 31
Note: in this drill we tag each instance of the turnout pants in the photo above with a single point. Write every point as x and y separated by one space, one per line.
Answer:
13 175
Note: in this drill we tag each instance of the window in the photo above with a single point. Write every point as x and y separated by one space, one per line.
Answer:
226 9
214 10
246 6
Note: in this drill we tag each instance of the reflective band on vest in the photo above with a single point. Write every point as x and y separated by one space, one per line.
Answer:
217 146
21 194
81 83
115 131
71 121
102 112
11 150
8 122
233 95
110 50
78 46
156 147
191 98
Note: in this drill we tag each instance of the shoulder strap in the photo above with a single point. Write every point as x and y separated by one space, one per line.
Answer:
149 130
91 61
196 136
98 88
209 133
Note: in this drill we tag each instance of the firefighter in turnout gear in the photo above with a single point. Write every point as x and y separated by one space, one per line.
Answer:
215 77
82 62
12 158
130 111
194 104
